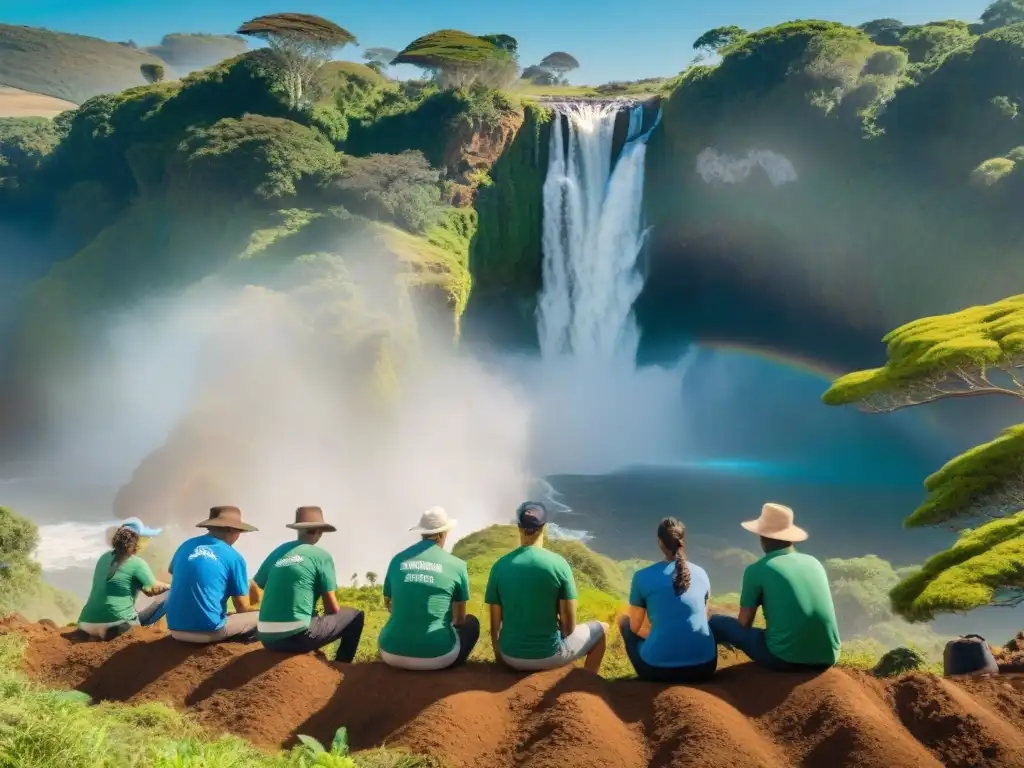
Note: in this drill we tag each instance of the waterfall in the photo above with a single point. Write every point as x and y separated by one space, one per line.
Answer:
592 237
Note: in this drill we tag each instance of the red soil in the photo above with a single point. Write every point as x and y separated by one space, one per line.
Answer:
484 716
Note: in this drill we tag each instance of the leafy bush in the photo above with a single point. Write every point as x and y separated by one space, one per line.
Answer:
330 122
402 189
24 142
22 589
899 661
254 157
992 171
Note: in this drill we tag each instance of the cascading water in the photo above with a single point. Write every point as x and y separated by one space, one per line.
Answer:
596 411
592 237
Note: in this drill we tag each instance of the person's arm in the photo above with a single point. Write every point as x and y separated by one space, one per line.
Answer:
750 597
145 580
460 597
496 629
156 588
567 601
386 588
328 587
707 604
493 599
637 608
240 587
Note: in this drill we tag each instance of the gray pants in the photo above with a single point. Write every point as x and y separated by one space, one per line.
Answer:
239 627
574 647
143 617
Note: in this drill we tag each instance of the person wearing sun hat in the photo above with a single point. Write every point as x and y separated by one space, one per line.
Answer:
426 590
206 572
532 595
293 576
120 575
792 590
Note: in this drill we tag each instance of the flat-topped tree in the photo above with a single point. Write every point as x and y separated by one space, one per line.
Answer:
976 351
559 64
378 59
153 73
301 44
718 38
985 567
456 59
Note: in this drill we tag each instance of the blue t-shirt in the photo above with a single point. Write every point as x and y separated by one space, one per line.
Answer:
679 635
205 572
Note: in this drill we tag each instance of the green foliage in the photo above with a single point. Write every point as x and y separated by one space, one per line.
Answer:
1002 13
506 251
22 589
559 63
884 31
459 60
297 28
402 189
259 157
152 73
900 661
992 171
984 567
65 66
925 352
931 43
715 39
330 121
24 142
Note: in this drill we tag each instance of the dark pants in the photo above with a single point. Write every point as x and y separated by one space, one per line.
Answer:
346 626
469 633
698 673
728 631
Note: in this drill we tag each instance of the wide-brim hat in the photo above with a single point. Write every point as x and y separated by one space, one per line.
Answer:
310 519
776 522
226 517
435 520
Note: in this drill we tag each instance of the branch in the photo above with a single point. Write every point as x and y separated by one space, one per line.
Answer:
956 383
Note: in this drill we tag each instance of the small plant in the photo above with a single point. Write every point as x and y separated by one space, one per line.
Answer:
899 661
312 753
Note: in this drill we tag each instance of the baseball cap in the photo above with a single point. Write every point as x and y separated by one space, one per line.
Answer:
531 515
134 524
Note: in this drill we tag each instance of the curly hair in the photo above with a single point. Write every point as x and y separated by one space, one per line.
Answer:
672 534
125 542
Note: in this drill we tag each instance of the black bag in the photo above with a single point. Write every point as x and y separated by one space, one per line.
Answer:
968 655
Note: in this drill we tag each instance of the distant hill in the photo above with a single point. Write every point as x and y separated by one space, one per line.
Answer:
76 68
17 103
71 67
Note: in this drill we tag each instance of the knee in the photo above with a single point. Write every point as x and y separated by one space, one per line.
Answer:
603 632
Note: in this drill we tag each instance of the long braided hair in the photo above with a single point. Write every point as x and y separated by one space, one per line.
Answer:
125 542
672 534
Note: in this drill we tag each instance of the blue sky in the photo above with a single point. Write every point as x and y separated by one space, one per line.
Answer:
613 40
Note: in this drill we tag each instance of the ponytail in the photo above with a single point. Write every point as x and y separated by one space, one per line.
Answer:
124 543
672 534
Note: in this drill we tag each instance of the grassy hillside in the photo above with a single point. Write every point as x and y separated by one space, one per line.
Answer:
71 67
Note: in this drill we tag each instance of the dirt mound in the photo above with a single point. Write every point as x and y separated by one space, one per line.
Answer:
481 715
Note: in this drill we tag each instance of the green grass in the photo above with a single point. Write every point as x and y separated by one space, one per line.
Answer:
71 67
637 89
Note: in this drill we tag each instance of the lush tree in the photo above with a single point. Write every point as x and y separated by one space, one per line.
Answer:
458 60
401 188
379 59
24 142
931 43
1002 13
22 588
371 578
189 52
977 351
153 73
506 43
714 40
883 31
539 76
255 157
559 64
301 43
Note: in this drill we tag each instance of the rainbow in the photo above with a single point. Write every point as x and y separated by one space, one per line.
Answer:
793 362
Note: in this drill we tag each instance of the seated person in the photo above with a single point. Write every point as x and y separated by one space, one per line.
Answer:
793 591
119 577
676 645
293 576
207 571
532 597
426 590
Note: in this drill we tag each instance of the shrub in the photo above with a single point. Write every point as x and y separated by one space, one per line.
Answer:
992 171
401 188
899 661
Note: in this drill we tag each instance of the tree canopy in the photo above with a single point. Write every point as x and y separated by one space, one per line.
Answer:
459 59
984 567
301 43
559 62
153 73
718 38
402 189
883 31
954 355
1002 13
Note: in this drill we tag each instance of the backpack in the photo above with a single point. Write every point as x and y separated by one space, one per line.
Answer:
968 655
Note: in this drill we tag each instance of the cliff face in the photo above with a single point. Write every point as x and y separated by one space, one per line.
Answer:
471 151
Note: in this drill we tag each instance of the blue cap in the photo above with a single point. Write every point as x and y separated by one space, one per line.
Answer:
134 524
531 516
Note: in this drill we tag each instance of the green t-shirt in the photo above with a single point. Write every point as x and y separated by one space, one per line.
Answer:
423 581
293 576
528 584
113 600
792 590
